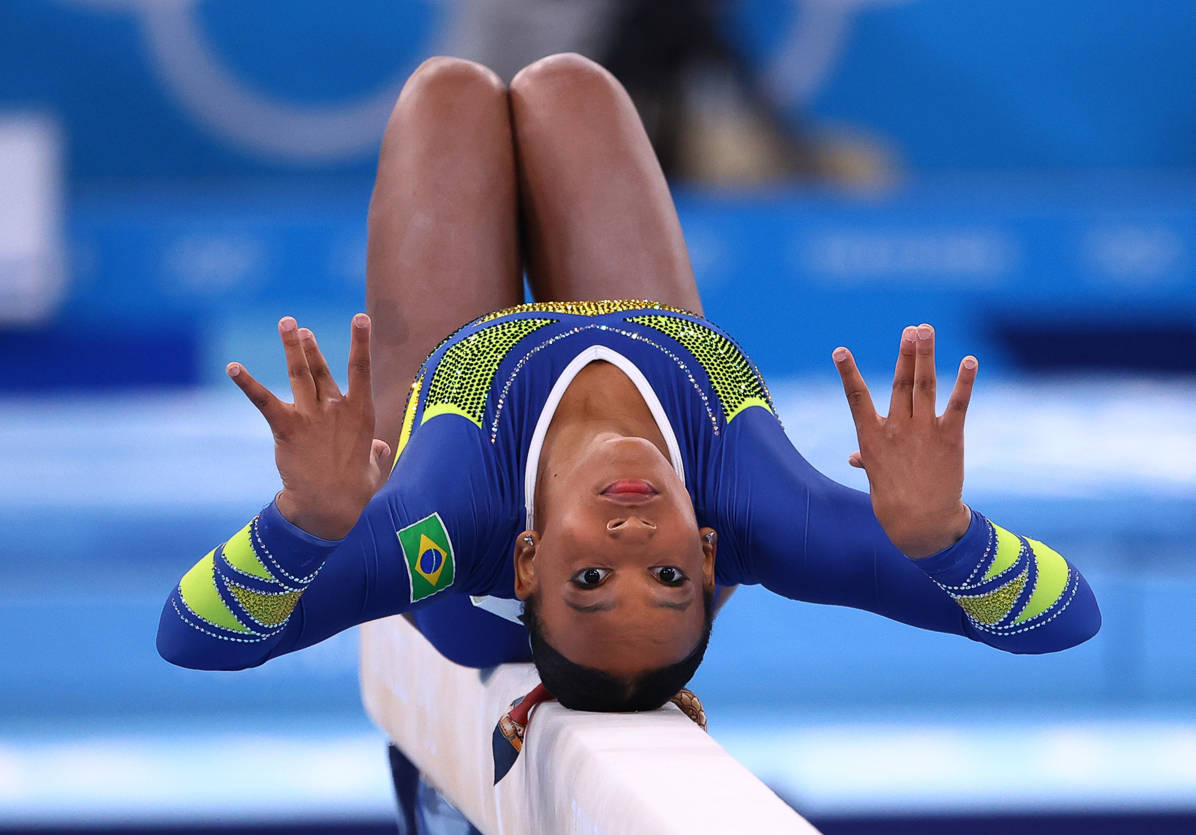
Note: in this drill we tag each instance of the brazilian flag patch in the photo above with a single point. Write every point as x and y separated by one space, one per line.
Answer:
429 555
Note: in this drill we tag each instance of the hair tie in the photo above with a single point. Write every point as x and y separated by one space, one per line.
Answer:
507 739
691 706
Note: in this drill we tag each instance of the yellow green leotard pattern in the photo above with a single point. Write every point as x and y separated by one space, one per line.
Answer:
1019 585
735 380
462 379
238 592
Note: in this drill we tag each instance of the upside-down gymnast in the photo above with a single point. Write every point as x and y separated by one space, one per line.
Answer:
592 474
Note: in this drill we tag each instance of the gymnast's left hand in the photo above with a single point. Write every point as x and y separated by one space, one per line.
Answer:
913 457
331 464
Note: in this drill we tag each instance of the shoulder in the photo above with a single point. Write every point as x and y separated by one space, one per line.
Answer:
446 490
448 459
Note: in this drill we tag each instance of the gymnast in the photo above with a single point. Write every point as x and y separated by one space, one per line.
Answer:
579 482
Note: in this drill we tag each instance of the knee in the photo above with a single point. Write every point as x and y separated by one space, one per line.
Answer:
443 80
565 75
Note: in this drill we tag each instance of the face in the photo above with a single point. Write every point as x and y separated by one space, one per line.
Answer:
619 565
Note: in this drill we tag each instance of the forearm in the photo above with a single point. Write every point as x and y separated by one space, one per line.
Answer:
993 586
1017 594
807 537
236 607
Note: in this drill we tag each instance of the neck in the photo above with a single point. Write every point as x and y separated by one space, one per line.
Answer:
600 401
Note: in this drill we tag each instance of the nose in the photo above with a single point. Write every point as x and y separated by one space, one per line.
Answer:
630 524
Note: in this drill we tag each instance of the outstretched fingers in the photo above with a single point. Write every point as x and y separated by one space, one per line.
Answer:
924 375
272 409
359 361
303 386
961 395
326 387
901 403
380 457
858 398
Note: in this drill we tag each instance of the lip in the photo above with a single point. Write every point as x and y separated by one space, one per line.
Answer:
629 491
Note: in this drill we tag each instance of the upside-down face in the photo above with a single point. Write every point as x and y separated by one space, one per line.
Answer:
619 566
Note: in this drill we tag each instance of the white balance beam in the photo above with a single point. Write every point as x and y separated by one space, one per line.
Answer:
654 772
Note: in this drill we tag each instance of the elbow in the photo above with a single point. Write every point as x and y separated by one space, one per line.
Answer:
1074 631
181 645
1085 618
193 657
1074 624
1086 622
1079 622
175 653
187 654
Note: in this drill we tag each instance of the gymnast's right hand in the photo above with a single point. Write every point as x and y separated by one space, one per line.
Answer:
331 464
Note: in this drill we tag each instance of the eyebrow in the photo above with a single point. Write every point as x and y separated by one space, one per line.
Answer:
606 606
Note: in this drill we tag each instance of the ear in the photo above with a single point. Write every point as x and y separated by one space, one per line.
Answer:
525 565
709 547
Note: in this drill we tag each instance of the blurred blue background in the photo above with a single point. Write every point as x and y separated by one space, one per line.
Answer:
177 174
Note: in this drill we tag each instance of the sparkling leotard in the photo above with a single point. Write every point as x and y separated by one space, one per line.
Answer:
437 539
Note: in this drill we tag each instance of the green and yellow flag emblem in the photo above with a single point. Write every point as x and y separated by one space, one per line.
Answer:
428 552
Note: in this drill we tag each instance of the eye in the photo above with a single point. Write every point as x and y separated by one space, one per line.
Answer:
589 578
670 575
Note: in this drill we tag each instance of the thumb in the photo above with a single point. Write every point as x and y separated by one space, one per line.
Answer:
380 458
856 460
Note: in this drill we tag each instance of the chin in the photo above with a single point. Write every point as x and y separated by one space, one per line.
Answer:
632 451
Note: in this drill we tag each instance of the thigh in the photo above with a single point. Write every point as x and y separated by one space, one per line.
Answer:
443 223
598 218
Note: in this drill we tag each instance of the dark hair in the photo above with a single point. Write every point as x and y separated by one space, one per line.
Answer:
578 687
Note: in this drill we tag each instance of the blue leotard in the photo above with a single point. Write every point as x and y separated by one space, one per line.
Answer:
438 539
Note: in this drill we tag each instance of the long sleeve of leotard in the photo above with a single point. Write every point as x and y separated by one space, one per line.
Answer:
806 537
272 588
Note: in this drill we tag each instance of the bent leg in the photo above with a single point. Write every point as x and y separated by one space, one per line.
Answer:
443 223
598 218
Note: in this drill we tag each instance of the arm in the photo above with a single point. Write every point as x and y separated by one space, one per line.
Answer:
272 588
815 540
252 597
910 550
287 579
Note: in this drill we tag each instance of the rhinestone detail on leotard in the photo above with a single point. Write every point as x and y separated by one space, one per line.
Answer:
465 373
735 381
583 308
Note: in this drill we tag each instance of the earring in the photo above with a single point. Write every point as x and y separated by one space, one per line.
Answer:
530 542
